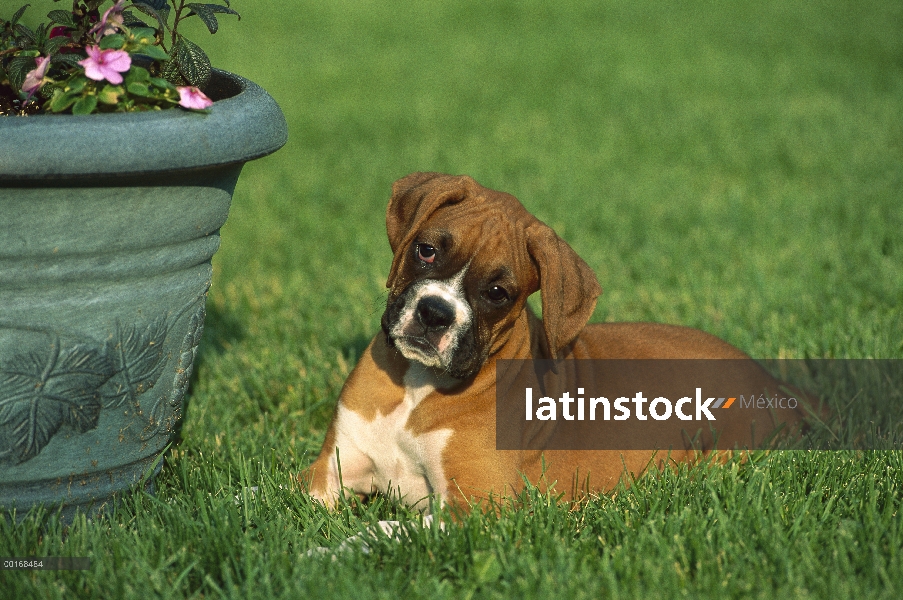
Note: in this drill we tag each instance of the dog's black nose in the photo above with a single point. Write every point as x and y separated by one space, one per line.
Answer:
435 313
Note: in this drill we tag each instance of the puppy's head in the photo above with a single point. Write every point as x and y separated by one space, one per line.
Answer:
466 259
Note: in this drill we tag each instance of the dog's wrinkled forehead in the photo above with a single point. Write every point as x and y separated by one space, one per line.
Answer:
458 215
481 239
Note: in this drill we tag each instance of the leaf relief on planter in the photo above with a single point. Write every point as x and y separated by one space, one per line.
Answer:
67 385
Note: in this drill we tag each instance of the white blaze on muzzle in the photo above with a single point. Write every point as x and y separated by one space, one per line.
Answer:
435 316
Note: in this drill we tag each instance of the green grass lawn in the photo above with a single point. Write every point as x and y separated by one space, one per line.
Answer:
732 166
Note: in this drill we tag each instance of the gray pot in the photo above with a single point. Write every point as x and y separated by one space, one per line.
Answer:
107 227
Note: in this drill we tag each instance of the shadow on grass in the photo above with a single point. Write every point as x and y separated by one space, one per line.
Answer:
221 331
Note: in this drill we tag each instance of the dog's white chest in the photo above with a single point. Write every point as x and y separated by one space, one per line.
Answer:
383 455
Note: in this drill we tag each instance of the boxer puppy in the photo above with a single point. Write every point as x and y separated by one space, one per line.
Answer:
417 415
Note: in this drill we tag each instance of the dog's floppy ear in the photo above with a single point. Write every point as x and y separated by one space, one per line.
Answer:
414 199
568 286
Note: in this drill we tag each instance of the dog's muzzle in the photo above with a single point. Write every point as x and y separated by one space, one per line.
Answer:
431 323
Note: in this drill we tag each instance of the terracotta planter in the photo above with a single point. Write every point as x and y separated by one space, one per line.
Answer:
107 227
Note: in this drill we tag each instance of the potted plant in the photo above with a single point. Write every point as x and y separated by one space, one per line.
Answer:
120 148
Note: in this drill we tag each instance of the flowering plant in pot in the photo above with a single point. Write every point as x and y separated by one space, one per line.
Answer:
119 152
85 61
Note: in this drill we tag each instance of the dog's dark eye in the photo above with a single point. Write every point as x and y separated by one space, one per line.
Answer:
426 253
497 294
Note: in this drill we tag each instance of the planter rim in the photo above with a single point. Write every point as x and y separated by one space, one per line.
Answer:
237 129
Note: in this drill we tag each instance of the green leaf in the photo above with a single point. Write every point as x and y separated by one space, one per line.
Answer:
110 94
154 52
112 42
18 15
138 88
192 61
171 73
137 75
161 6
53 45
156 4
27 34
144 35
42 33
131 21
162 83
70 60
63 17
84 105
76 84
18 69
151 12
222 9
61 100
205 14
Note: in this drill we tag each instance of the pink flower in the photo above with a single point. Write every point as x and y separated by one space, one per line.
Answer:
106 64
110 22
35 78
192 97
